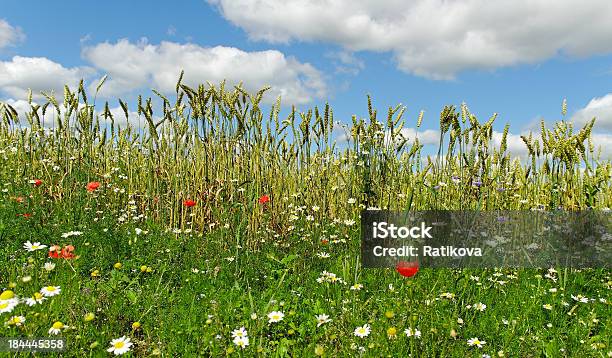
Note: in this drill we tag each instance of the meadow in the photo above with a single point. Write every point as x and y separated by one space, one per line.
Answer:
218 227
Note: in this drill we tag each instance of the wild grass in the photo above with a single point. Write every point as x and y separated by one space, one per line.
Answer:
231 259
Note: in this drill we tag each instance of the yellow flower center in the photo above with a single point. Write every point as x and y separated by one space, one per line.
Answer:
6 295
58 325
4 305
50 288
38 295
119 345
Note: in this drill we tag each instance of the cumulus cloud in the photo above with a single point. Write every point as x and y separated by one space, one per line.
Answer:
39 74
9 35
435 38
135 65
599 107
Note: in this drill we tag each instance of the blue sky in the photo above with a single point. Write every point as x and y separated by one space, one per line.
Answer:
521 63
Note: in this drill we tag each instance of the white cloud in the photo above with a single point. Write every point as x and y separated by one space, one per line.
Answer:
346 62
515 145
603 142
9 35
135 65
435 38
38 74
599 107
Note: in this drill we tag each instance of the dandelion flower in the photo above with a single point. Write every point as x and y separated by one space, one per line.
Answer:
50 291
275 316
33 246
56 328
362 331
120 346
322 319
476 342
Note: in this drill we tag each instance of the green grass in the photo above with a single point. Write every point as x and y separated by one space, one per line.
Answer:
195 274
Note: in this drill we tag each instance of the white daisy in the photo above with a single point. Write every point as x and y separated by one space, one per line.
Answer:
480 306
240 332
37 298
50 291
322 319
33 246
15 321
49 266
8 305
412 332
362 331
241 342
120 346
357 287
56 328
475 342
275 316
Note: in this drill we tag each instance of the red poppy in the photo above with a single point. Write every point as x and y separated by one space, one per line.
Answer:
92 186
67 252
189 203
264 199
324 241
25 216
37 182
407 269
19 199
54 251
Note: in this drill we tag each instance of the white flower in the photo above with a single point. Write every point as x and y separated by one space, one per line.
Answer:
56 328
447 295
33 246
351 200
362 331
581 298
480 306
475 342
322 319
15 321
349 222
50 291
49 266
8 305
323 255
275 316
357 287
241 341
412 332
120 346
71 233
240 332
547 306
37 298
